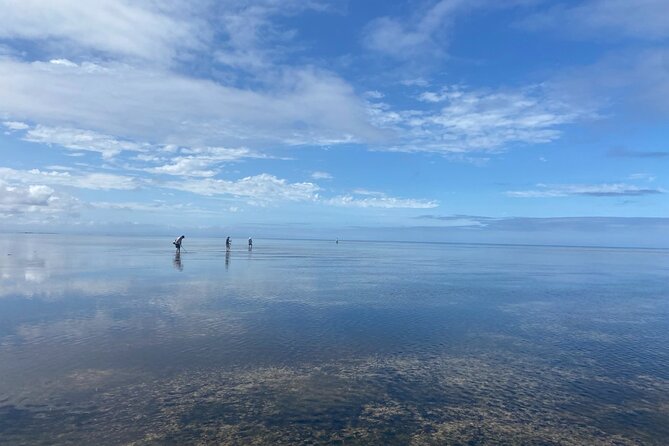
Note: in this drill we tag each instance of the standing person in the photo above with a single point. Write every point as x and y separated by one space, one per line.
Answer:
250 243
228 243
177 242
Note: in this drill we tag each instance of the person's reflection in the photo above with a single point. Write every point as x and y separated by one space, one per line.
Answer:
227 259
177 261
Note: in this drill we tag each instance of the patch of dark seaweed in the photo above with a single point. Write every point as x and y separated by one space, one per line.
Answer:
481 399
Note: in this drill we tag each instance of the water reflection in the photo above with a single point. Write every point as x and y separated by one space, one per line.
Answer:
310 343
177 261
227 258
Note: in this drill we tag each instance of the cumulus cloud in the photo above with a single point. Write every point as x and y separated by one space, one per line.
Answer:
259 190
592 190
17 200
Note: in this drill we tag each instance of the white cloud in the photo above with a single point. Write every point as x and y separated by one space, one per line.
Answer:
77 139
405 39
14 125
154 206
643 176
592 190
265 189
65 62
259 189
59 167
17 200
34 195
361 191
200 161
318 175
606 19
246 27
416 82
143 29
462 120
94 181
299 105
455 220
185 166
373 94
222 153
381 202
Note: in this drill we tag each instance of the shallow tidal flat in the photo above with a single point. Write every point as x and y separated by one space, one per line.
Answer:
119 341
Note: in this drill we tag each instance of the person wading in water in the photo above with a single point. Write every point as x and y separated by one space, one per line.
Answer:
177 242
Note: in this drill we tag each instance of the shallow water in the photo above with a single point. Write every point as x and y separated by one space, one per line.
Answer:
118 341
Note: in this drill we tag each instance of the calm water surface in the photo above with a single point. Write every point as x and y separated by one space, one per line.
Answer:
118 341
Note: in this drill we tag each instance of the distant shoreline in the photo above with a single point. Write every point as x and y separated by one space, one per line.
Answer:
344 241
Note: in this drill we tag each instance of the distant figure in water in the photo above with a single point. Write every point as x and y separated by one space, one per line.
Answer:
177 242
228 243
337 241
250 243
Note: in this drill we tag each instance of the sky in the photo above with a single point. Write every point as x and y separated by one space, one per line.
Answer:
525 121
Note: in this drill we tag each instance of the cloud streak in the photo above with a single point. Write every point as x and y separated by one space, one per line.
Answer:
381 201
92 181
463 120
605 19
138 29
595 190
200 161
627 153
262 189
76 139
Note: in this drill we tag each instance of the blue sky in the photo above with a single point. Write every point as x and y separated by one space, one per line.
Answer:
453 120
